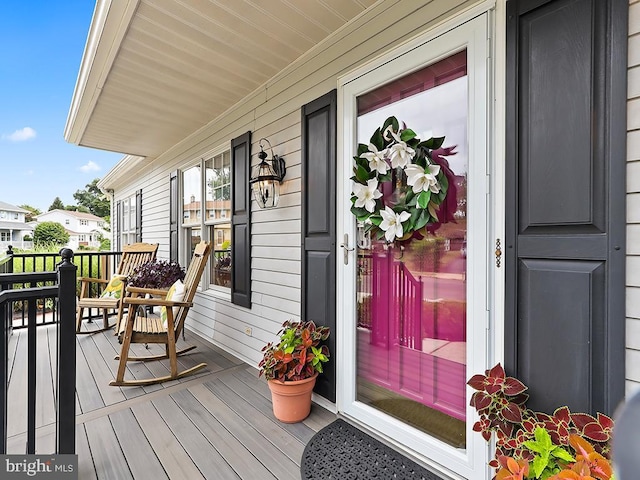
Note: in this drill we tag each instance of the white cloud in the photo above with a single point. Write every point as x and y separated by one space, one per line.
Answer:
90 167
26 133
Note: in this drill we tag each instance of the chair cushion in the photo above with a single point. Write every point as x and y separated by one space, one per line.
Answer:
114 287
175 294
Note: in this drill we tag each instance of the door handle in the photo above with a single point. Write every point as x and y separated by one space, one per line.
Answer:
345 249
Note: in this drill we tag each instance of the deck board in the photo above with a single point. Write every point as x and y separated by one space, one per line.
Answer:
205 456
107 456
174 458
138 453
86 469
215 424
234 452
17 391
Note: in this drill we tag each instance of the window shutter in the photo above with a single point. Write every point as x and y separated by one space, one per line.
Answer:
319 226
174 205
565 255
118 229
241 220
139 215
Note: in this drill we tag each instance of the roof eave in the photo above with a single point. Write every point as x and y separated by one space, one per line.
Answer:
120 171
109 25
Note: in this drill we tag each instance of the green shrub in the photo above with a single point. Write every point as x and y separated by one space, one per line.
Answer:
50 233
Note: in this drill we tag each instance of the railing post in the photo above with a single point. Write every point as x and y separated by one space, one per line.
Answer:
9 305
4 375
66 353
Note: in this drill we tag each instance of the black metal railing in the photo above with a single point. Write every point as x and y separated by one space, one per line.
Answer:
90 264
63 291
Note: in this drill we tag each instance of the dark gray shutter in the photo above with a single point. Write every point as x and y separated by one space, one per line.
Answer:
139 215
174 213
319 226
565 264
241 220
118 225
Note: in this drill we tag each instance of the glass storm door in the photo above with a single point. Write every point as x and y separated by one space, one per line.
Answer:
412 322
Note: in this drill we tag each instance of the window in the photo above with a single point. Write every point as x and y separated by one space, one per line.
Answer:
66 222
5 237
16 216
84 222
3 214
129 221
210 221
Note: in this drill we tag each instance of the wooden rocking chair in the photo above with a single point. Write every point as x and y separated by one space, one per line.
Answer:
139 328
132 256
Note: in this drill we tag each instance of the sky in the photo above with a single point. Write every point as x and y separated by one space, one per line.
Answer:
41 46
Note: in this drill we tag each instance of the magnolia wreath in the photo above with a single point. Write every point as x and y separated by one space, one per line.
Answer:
400 184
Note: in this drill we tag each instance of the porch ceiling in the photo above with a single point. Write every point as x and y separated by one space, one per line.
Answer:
154 71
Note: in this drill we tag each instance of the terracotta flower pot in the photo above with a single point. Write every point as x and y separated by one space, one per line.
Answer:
292 400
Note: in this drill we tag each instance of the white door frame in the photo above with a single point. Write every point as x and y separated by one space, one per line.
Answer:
473 35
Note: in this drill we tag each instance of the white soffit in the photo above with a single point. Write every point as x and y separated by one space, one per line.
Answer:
155 71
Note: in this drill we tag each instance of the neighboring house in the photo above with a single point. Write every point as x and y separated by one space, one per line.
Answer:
534 95
84 229
13 227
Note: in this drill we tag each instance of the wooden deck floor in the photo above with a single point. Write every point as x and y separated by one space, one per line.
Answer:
217 423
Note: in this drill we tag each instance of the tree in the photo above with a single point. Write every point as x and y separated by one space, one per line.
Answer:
57 204
50 233
33 211
76 208
93 199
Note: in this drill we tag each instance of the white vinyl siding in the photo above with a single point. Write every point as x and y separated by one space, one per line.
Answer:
633 204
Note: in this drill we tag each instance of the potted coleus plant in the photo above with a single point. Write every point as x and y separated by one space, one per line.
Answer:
291 367
536 445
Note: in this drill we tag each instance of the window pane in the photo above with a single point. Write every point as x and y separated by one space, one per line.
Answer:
411 326
191 188
195 237
125 215
132 213
221 266
218 187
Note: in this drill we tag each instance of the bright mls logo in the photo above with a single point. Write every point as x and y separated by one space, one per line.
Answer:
60 467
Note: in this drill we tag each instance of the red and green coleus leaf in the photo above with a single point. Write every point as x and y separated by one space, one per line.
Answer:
512 413
513 386
283 357
477 382
480 400
597 429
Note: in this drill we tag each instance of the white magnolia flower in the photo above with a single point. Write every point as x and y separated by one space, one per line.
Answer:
421 179
367 194
399 153
392 223
376 159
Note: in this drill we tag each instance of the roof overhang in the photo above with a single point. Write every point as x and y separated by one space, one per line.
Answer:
154 72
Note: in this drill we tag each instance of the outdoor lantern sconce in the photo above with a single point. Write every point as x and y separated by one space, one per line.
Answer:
266 177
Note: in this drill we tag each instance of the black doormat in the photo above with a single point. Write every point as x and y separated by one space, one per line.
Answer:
340 451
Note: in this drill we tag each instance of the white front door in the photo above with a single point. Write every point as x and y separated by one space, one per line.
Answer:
413 324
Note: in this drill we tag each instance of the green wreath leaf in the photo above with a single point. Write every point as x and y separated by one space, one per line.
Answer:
424 198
